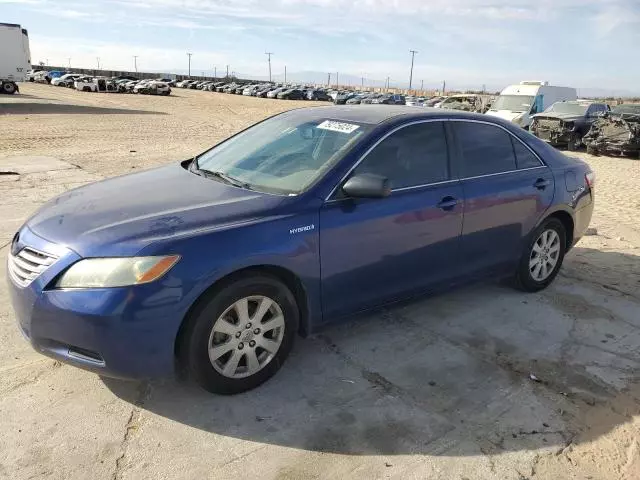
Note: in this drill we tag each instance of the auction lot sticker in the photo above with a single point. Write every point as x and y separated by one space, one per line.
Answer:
338 126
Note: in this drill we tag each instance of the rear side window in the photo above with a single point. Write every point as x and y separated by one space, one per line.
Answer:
524 157
414 155
485 149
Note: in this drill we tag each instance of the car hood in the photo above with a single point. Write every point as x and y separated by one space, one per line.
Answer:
504 114
120 216
559 116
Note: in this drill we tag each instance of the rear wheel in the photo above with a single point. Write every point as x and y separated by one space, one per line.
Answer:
9 88
240 336
542 256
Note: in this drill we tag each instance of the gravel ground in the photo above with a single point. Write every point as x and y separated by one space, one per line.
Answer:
439 388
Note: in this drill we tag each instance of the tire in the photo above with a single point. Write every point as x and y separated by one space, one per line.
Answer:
86 89
9 88
217 312
526 278
574 142
592 150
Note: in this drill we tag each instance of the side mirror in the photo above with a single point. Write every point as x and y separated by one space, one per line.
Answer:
367 185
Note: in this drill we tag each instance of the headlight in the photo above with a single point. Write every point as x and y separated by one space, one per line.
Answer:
116 272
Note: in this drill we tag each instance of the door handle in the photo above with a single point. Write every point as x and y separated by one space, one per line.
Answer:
541 183
447 203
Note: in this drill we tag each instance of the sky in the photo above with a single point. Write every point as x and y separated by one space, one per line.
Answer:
468 43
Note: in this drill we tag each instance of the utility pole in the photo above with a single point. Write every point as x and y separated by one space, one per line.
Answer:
362 82
484 88
215 72
444 84
388 83
268 54
337 80
98 59
69 62
413 54
227 71
189 55
285 74
422 85
328 80
135 63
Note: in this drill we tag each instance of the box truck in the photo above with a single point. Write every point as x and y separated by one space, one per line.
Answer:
518 103
15 56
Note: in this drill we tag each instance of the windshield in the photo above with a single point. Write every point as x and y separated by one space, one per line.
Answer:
513 103
571 108
284 154
632 109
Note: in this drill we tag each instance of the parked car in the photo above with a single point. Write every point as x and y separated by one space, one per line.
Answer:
42 77
464 102
86 84
126 77
65 80
168 80
30 76
342 97
370 99
433 101
565 123
274 93
518 103
389 99
152 87
415 101
291 94
263 91
318 94
617 132
316 214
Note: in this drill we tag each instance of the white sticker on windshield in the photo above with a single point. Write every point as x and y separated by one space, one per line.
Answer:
338 126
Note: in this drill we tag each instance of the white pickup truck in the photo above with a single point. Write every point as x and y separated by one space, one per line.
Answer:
15 56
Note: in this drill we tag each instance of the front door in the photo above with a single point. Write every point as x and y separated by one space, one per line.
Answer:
373 251
506 190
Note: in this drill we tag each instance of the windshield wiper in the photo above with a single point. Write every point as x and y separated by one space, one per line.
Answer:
222 176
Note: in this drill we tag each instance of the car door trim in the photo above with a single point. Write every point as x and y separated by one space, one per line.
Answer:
431 120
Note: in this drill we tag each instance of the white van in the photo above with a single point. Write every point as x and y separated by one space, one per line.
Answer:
517 103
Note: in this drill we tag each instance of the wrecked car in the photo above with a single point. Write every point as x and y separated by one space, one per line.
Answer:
617 132
466 103
566 123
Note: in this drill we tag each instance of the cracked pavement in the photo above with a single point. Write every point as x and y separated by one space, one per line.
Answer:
483 382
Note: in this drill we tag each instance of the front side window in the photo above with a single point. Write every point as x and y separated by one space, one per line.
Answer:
284 154
414 155
513 103
485 149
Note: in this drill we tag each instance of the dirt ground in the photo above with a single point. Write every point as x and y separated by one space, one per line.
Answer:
479 383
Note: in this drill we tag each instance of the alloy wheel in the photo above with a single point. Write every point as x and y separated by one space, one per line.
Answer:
544 255
246 337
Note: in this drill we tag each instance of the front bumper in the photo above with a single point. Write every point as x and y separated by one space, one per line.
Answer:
126 332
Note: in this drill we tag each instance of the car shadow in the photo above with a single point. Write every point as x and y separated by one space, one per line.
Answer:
56 108
480 370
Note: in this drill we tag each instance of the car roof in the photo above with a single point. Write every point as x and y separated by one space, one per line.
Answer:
375 114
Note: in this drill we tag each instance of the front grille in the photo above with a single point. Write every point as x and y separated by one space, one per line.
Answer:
28 264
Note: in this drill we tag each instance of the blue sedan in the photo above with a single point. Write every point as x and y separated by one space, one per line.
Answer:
215 264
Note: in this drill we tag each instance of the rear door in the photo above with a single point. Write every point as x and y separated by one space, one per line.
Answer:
376 250
506 190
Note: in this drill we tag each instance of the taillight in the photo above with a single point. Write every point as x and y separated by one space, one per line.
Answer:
590 178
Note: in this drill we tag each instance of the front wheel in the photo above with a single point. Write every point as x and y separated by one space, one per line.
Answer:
239 337
592 150
542 257
574 142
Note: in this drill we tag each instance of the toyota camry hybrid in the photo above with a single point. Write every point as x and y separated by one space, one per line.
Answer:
214 265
